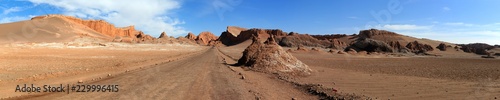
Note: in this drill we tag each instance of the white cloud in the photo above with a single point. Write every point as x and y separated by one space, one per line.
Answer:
221 6
353 17
446 9
11 10
406 27
150 16
458 24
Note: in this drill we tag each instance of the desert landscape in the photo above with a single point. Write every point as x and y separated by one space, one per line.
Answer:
239 63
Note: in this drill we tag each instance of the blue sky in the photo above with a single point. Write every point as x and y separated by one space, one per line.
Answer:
456 21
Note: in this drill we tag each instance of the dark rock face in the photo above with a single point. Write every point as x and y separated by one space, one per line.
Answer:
417 47
370 45
442 47
328 37
478 48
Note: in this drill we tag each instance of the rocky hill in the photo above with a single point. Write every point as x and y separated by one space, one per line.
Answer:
103 27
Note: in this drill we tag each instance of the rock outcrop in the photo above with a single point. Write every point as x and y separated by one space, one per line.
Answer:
270 57
190 36
374 32
235 35
104 28
370 45
417 47
442 47
478 48
163 35
398 47
204 38
337 44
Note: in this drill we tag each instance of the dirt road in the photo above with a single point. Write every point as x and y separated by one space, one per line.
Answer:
203 76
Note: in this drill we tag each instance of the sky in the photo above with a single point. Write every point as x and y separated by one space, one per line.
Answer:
455 21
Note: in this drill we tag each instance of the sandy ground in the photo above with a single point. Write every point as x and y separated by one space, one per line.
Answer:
174 71
51 63
201 73
405 78
454 75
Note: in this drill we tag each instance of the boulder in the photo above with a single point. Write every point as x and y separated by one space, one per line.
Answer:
442 47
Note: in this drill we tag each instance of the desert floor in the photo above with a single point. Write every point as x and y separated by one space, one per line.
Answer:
200 72
193 72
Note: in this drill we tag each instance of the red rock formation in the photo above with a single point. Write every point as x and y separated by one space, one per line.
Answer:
205 37
104 27
235 35
417 47
191 36
163 35
270 57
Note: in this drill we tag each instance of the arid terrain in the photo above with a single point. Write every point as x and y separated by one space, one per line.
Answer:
240 63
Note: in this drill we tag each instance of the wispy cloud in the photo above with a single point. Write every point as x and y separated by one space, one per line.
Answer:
446 9
352 17
405 27
150 16
11 10
222 6
458 24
